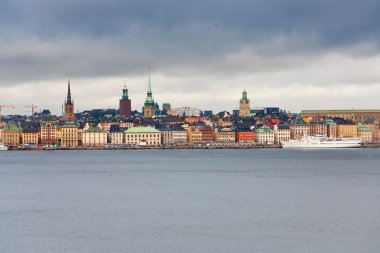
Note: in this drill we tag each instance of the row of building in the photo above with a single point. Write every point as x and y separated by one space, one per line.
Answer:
177 131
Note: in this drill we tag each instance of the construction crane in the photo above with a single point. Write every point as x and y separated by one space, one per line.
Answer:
4 106
31 106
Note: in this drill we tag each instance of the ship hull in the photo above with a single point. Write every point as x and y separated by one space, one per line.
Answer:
288 144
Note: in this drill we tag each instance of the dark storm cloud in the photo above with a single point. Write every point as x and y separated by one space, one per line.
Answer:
215 41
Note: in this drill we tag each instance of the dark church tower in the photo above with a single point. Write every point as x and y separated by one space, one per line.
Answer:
125 104
69 106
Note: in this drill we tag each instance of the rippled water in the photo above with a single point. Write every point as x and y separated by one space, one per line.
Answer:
190 201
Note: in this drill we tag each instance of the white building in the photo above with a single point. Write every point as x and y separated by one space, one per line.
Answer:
94 137
144 136
264 135
185 112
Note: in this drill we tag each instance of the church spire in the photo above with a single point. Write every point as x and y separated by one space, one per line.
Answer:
149 93
68 93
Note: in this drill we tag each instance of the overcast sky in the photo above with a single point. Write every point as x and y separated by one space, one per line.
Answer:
295 54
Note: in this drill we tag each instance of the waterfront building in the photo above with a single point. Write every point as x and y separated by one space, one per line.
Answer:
69 135
125 104
331 128
94 137
11 135
318 126
116 134
365 133
173 135
69 106
374 126
224 135
207 134
194 133
299 128
245 104
354 115
346 128
48 132
30 133
185 112
244 135
281 133
144 136
149 109
264 135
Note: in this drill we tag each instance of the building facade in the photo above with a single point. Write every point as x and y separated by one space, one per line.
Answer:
11 135
143 136
245 135
224 135
69 135
94 137
281 133
264 135
30 133
354 115
48 133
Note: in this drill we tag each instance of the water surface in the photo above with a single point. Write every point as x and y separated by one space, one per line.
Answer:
190 201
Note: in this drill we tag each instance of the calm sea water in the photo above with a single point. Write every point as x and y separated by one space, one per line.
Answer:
190 201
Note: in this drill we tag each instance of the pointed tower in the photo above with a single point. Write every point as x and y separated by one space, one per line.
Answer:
149 108
69 106
245 105
125 104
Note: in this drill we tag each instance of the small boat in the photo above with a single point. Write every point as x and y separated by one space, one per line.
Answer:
3 147
322 141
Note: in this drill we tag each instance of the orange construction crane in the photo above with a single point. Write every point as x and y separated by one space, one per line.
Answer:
4 106
31 106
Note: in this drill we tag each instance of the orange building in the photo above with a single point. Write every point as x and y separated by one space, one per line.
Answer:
245 135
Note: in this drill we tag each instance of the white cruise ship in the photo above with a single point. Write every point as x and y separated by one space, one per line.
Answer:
3 147
322 141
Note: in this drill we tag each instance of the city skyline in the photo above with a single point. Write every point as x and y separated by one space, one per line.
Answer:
294 55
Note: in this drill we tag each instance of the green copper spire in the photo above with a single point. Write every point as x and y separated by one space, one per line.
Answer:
149 101
149 84
125 92
244 98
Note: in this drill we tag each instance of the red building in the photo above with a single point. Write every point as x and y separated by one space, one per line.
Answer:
207 134
125 104
245 136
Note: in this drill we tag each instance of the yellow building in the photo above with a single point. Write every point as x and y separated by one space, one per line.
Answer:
194 134
30 133
346 128
224 135
281 133
69 135
354 115
144 136
299 128
11 135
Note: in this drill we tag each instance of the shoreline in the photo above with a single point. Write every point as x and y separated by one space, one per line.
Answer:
183 147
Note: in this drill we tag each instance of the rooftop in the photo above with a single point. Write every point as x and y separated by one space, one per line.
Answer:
142 130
